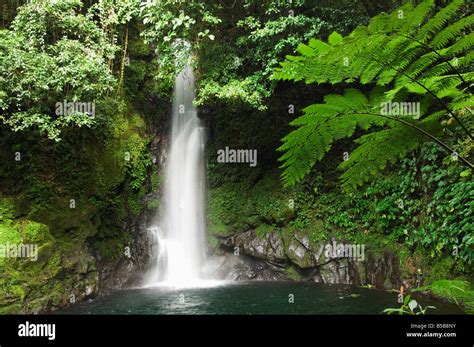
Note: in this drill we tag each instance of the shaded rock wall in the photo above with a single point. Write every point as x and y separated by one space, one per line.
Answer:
273 256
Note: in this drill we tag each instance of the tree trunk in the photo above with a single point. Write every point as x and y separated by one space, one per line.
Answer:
124 57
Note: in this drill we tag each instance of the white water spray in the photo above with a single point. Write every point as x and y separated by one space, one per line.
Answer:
180 237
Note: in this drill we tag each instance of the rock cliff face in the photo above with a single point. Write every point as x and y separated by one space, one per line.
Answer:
247 256
68 268
128 270
88 221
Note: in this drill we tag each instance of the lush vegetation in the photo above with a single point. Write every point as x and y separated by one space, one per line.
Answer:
314 73
401 57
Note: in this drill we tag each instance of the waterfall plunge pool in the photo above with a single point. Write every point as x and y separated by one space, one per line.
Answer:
227 297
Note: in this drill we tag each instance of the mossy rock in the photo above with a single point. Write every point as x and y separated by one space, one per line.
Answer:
7 209
292 273
25 282
9 234
90 172
213 242
317 232
297 249
33 232
236 207
153 204
72 226
27 233
216 226
264 229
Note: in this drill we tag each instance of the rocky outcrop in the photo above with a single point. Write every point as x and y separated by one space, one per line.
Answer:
269 248
228 266
294 257
129 269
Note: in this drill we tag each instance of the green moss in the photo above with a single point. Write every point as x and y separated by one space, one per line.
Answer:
9 233
439 269
239 206
293 274
135 199
136 122
264 229
153 204
317 232
220 221
20 231
213 242
17 291
217 227
33 232
111 249
22 279
109 167
110 242
10 309
156 181
54 263
7 210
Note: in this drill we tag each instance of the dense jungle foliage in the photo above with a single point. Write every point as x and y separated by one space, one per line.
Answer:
300 81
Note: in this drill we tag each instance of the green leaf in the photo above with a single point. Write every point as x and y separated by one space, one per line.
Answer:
335 39
406 300
405 66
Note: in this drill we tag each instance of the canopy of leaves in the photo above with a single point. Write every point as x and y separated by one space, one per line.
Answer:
173 26
253 36
53 53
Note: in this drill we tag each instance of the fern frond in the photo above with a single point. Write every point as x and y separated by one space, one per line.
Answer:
462 45
409 54
375 151
379 149
422 63
463 101
319 127
452 32
416 16
439 20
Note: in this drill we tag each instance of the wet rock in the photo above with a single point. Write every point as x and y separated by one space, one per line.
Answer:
279 253
127 271
241 267
300 251
269 247
333 272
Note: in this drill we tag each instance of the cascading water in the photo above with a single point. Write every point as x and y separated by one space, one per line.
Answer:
179 240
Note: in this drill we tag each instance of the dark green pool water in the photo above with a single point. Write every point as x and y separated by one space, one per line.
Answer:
250 298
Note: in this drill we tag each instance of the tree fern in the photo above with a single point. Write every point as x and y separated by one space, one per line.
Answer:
380 148
320 126
438 21
411 54
446 35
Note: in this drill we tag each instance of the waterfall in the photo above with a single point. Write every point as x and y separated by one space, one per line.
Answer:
178 243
